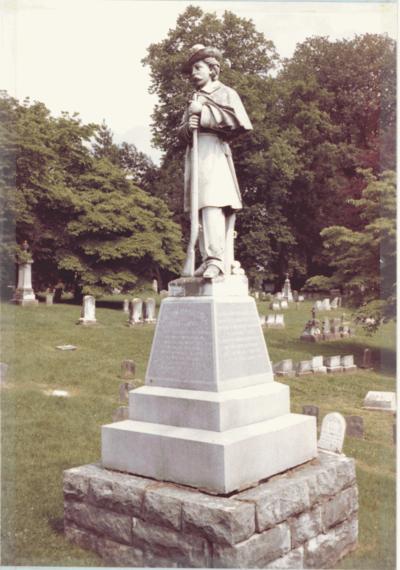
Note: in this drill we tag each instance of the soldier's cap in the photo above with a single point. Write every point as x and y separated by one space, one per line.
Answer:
199 52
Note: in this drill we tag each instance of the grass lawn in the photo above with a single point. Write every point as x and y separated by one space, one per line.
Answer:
43 435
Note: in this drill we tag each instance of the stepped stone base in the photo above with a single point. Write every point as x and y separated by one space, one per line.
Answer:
304 518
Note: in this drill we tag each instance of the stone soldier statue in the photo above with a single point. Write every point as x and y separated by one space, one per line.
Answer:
214 116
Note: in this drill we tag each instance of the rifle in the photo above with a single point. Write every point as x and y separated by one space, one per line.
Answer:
189 266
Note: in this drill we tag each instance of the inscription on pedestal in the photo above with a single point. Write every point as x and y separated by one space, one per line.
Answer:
182 354
241 345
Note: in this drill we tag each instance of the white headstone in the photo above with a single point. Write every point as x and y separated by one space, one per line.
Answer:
24 294
333 363
333 430
326 305
301 298
270 320
256 295
125 307
49 298
66 347
262 320
150 310
383 401
347 361
135 311
88 312
275 306
155 285
279 295
317 364
284 304
304 367
284 367
335 303
279 320
318 305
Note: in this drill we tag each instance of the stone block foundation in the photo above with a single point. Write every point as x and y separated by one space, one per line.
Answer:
303 518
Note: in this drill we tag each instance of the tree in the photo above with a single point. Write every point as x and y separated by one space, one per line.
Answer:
364 261
83 218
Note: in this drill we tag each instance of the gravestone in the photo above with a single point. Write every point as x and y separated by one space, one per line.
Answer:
150 310
367 359
279 296
125 306
311 410
128 369
304 368
60 393
317 365
347 362
66 347
124 389
335 303
120 414
279 321
287 290
318 305
49 299
284 367
301 298
284 304
333 430
256 295
135 311
333 364
295 296
355 426
262 320
155 285
275 306
380 401
88 312
326 305
270 320
24 293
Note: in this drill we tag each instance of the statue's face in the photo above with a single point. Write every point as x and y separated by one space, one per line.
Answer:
201 74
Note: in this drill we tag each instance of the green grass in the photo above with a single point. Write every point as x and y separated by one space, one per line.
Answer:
42 435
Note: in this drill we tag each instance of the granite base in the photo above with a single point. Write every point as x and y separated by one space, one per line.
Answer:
304 518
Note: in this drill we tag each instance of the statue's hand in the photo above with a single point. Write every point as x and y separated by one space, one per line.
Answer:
195 108
194 122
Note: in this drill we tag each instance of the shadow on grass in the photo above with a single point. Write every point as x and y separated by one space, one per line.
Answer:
56 524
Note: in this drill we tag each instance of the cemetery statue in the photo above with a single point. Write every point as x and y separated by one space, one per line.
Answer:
214 116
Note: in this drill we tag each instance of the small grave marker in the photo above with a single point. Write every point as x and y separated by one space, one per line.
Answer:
333 430
333 364
284 304
124 390
66 347
128 369
60 393
125 306
347 362
284 367
317 365
355 426
304 368
380 401
311 410
120 414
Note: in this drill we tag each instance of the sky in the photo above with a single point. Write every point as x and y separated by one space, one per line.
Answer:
85 55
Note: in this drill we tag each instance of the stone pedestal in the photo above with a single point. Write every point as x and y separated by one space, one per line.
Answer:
210 415
306 518
88 312
24 294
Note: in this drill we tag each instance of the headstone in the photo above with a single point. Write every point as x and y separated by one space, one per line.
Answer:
318 306
287 290
284 367
333 364
304 368
279 321
367 359
317 365
66 347
295 296
326 305
380 401
279 296
24 293
262 320
135 311
150 310
88 312
125 306
301 298
155 285
128 369
120 414
275 306
284 304
355 426
256 295
49 298
124 389
270 320
335 303
311 410
347 361
333 430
